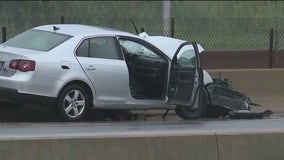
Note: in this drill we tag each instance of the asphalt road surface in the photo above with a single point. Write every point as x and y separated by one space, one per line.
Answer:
33 113
137 128
39 122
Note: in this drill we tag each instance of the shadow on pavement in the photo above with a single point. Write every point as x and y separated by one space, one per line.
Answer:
27 113
36 113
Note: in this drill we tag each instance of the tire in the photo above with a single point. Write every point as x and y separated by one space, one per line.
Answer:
188 113
73 103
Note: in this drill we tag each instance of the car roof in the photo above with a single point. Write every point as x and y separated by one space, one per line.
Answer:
167 45
82 30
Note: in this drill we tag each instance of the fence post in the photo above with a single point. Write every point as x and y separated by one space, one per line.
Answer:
277 27
62 19
4 34
172 27
270 54
142 29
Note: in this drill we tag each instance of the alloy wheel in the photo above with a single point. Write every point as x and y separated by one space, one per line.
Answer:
74 103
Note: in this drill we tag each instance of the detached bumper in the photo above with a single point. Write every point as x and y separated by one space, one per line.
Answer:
12 95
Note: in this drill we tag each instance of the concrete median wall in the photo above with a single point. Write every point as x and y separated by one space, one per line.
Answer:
256 146
121 148
251 146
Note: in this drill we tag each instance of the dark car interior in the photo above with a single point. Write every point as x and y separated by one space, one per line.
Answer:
147 75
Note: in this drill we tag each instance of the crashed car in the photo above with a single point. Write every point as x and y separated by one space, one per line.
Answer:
74 68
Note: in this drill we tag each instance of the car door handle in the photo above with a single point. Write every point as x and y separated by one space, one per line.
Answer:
65 65
91 67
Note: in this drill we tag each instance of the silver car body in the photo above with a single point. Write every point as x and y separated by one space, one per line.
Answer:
107 79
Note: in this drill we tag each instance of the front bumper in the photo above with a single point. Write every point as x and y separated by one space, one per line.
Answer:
223 95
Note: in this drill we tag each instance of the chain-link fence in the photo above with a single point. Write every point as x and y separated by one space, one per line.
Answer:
213 34
237 34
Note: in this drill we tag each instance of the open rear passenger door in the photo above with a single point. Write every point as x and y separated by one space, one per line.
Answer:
186 77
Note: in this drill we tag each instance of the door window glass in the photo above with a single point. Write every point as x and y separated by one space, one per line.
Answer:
83 49
186 57
104 47
99 47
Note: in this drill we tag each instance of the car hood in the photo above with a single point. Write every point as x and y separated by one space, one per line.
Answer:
166 44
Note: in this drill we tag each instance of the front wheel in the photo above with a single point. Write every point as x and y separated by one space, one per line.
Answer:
73 103
189 113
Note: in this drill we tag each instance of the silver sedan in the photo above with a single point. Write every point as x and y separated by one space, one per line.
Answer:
75 68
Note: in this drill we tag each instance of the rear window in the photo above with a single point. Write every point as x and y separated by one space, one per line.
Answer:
37 40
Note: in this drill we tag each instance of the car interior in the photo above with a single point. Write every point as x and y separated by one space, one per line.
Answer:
147 74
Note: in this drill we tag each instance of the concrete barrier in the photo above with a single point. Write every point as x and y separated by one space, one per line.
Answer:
254 81
195 147
228 146
251 146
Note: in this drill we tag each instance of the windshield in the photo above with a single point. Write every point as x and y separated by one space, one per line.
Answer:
37 40
136 48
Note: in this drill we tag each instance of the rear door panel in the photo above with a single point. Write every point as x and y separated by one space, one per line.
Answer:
109 77
99 58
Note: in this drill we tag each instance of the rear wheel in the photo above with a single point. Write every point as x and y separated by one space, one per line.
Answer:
189 113
73 103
